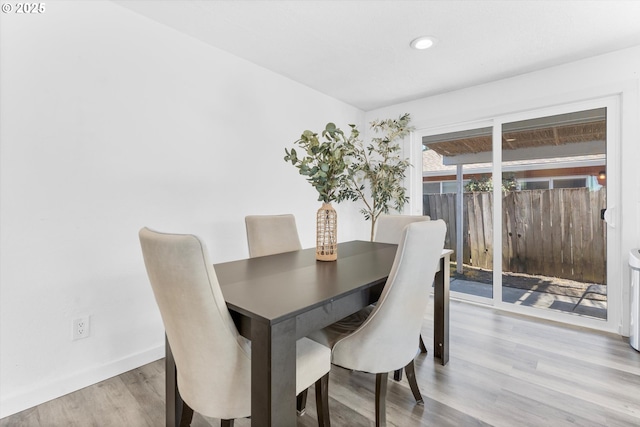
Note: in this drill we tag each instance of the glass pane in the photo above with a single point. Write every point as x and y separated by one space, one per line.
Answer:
449 187
430 188
569 183
470 234
554 241
534 185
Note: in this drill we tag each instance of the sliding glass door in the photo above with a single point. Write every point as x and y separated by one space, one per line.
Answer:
524 197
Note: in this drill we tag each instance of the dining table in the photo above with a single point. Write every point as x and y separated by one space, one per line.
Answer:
277 299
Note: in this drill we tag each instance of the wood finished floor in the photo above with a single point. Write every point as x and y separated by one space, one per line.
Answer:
505 370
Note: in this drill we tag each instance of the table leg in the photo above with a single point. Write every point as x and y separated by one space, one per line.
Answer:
173 400
441 312
273 374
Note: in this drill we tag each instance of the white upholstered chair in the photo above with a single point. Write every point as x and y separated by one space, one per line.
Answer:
386 340
389 230
389 227
271 234
213 361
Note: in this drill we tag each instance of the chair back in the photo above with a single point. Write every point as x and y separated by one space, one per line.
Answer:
213 361
271 234
389 227
396 320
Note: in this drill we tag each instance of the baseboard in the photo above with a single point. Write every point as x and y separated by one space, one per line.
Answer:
42 393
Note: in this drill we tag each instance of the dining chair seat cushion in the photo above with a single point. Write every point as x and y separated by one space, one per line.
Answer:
340 329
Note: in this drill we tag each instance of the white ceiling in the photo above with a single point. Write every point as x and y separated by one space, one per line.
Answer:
358 51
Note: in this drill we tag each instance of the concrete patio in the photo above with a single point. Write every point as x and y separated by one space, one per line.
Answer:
533 291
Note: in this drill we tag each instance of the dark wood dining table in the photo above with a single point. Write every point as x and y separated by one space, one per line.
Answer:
278 299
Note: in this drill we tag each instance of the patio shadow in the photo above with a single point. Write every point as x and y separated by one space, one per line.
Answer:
531 291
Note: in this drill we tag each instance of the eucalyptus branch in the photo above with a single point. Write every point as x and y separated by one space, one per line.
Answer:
323 161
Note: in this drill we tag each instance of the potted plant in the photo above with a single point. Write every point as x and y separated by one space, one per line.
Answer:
379 167
322 162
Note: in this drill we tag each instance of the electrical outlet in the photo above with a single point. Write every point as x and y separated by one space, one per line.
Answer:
81 328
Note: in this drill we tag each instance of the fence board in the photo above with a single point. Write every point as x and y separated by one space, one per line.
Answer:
567 240
444 214
577 222
557 231
587 239
521 212
487 226
453 234
475 229
598 201
535 232
546 233
466 236
510 235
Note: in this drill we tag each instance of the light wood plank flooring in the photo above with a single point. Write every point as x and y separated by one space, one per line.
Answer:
505 370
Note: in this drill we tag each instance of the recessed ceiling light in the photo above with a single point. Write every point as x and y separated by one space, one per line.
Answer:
424 42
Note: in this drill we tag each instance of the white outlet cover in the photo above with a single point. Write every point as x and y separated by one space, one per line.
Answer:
80 328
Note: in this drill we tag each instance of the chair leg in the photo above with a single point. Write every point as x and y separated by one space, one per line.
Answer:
381 395
397 374
301 402
226 423
322 401
423 348
411 377
187 415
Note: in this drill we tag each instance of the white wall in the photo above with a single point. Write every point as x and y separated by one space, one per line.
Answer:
111 122
616 73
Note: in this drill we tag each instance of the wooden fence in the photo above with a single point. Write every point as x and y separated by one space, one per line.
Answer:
556 233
